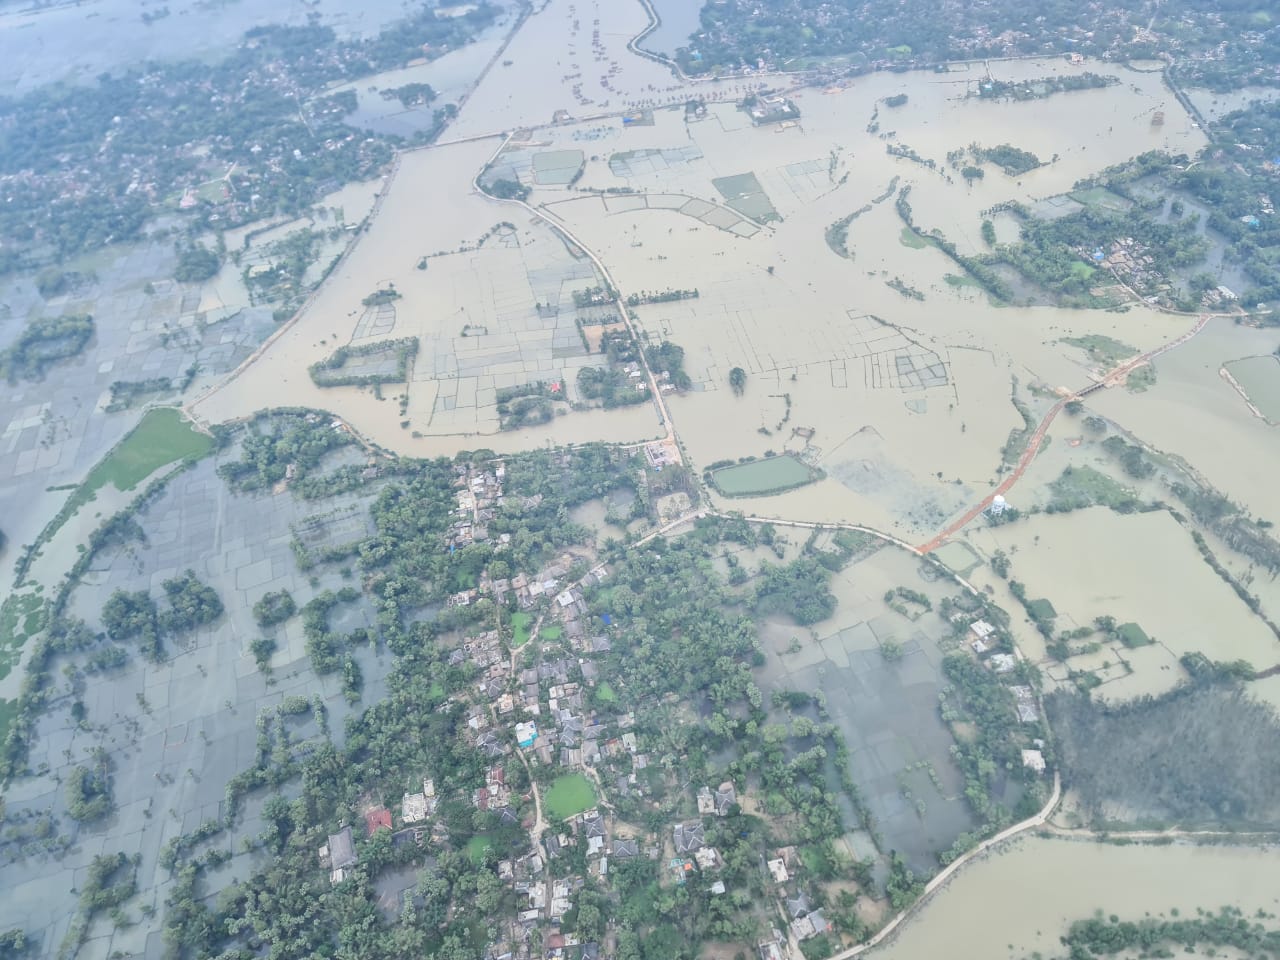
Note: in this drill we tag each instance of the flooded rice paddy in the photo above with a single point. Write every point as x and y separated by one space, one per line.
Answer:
886 709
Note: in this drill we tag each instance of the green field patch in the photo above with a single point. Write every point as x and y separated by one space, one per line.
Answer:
553 632
1081 269
760 477
1100 197
1101 349
1041 609
477 846
162 437
961 281
1259 378
520 624
569 796
743 193
21 617
605 693
1080 487
1141 379
1132 635
367 364
557 167
909 238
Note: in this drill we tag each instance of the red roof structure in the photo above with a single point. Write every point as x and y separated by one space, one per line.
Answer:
377 819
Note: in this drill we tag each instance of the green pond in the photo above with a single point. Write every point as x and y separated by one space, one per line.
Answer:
770 475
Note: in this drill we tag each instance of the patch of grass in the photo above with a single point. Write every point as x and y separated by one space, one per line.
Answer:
1132 635
477 846
568 796
160 438
1101 349
553 632
1081 269
909 238
605 693
21 616
1080 487
961 281
520 624
1041 609
1141 379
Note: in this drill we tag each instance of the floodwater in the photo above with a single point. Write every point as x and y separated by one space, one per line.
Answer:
1133 562
473 309
452 76
1023 897
1260 379
902 402
677 19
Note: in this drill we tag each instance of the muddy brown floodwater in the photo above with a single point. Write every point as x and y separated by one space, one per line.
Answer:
1021 898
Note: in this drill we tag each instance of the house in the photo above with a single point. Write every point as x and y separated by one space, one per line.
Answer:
1002 662
798 906
980 629
688 837
593 824
770 950
706 801
414 808
378 818
526 733
624 849
339 854
1026 704
726 797
707 858
1033 760
810 925
778 870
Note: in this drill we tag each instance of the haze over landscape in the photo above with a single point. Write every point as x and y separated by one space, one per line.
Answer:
639 480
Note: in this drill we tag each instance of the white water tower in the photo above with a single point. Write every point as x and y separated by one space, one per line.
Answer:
998 505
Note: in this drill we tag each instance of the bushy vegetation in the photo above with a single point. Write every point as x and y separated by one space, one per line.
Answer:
134 615
274 608
1159 936
1012 160
88 791
42 344
329 372
666 357
275 439
196 264
798 590
1204 754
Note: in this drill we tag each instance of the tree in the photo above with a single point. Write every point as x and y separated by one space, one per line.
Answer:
274 608
738 380
988 233
196 264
